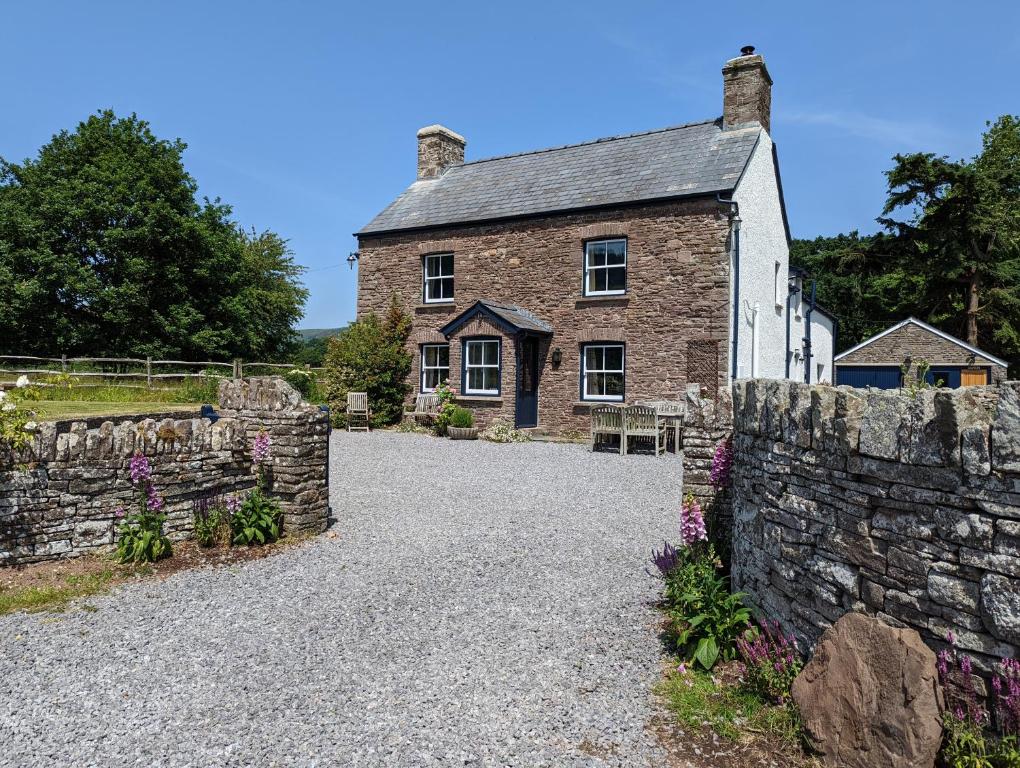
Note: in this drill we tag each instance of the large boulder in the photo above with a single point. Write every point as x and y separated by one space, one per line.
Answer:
870 697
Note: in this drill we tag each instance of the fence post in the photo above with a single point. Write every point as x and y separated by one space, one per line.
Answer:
63 363
238 369
148 371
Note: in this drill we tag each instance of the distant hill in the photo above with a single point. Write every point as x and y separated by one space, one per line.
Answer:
307 334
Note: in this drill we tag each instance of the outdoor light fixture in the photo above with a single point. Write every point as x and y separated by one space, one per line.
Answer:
557 356
352 257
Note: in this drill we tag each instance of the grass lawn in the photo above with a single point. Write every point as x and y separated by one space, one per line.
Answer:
52 410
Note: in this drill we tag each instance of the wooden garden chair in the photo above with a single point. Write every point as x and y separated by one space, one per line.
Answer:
607 420
642 421
426 408
358 414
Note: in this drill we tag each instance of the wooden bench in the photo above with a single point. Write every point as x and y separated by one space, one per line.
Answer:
607 420
643 421
426 408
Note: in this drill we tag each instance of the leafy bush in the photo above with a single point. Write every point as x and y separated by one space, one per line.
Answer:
211 519
303 381
140 537
461 418
370 356
707 622
258 521
770 662
16 424
502 431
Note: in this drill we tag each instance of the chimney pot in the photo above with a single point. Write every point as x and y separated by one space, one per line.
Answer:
747 91
438 149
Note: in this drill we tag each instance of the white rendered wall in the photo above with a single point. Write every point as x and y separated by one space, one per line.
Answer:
762 245
822 341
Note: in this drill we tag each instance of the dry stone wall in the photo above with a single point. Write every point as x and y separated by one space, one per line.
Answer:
905 506
59 498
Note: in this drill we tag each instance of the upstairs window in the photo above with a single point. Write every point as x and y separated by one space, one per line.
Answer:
481 367
435 366
602 374
438 271
605 267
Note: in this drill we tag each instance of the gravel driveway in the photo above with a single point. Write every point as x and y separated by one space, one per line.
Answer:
481 605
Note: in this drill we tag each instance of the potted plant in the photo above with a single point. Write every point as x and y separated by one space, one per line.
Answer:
462 425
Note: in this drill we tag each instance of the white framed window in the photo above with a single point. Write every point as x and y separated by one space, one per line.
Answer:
481 367
602 372
437 271
605 267
435 366
778 286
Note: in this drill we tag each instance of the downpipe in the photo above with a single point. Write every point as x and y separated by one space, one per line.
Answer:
734 216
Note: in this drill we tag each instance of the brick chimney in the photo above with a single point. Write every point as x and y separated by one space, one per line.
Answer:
438 149
747 91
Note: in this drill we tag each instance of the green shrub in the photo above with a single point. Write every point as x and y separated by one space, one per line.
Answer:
370 356
502 431
258 521
210 517
462 418
706 620
303 381
140 539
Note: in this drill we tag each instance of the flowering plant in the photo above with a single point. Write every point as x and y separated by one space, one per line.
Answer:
211 519
692 522
447 406
140 536
258 519
261 457
16 421
722 465
1006 696
770 661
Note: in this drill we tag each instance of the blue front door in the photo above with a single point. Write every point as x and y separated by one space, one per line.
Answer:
527 382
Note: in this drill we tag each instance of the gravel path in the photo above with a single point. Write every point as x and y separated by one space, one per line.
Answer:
481 605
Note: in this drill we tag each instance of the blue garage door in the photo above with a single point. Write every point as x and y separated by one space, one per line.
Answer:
879 376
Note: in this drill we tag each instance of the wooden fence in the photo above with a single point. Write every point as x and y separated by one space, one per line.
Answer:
128 371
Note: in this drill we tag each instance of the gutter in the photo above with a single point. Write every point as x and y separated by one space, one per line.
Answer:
735 235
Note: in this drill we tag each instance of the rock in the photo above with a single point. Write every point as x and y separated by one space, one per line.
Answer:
1006 429
869 697
954 592
1000 606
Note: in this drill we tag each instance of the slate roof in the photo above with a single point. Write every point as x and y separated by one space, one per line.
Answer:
509 315
694 159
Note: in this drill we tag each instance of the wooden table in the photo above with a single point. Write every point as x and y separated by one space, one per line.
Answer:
671 412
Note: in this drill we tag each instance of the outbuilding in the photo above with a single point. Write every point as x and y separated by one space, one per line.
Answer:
884 359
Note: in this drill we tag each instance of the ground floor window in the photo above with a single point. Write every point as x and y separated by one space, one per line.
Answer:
481 367
435 366
602 372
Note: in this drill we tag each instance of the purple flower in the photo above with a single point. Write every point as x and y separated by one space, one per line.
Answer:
722 465
119 512
153 501
233 504
666 560
260 450
141 469
692 522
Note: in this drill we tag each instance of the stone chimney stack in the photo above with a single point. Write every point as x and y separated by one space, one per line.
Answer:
747 91
438 149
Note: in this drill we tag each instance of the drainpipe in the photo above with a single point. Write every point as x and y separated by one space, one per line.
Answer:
735 237
807 335
789 300
754 341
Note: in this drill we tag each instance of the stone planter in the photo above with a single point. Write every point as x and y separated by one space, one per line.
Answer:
462 433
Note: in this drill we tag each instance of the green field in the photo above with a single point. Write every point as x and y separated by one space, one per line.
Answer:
54 410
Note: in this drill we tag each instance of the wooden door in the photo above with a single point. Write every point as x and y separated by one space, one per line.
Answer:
973 377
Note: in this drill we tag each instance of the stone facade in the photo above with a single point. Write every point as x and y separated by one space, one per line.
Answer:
58 500
672 318
911 344
900 506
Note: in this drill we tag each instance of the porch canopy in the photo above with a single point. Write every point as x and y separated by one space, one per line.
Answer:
510 318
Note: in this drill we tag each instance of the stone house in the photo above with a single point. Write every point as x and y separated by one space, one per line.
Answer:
626 268
881 360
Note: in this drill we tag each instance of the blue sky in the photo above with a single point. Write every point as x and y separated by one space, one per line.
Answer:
302 115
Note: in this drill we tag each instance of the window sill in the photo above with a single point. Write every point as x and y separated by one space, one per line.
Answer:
616 298
436 305
590 403
498 399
